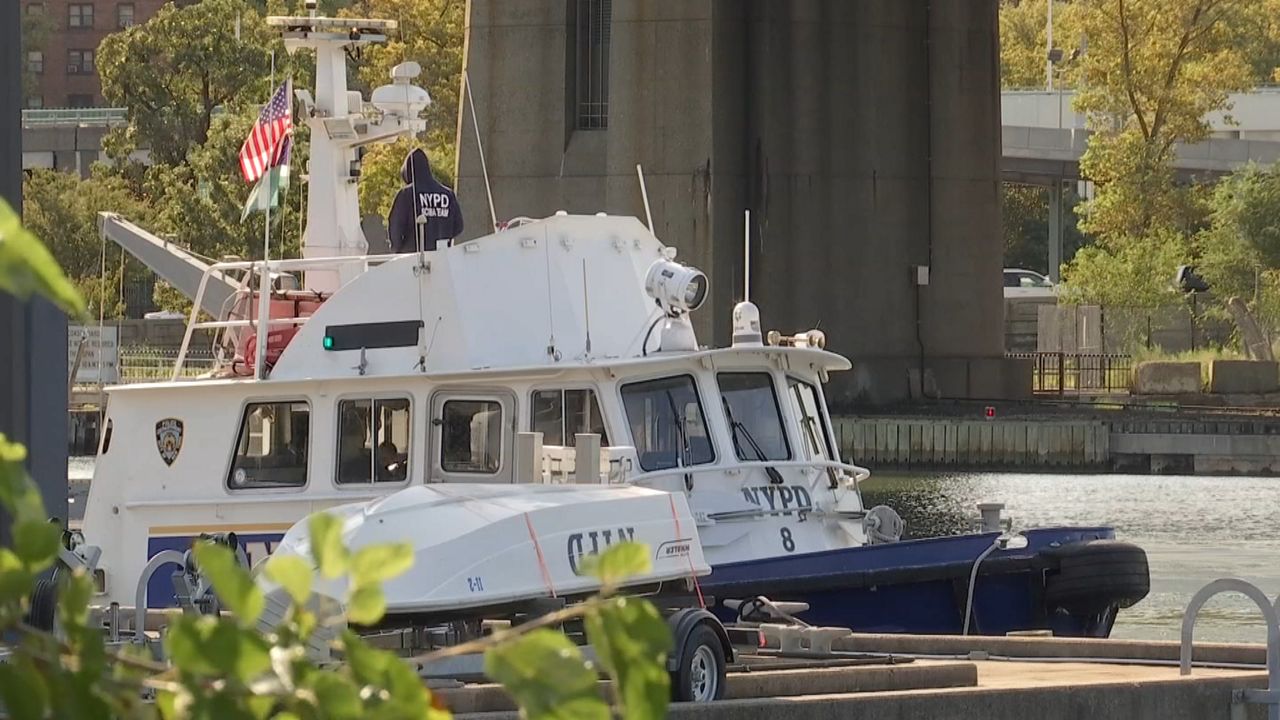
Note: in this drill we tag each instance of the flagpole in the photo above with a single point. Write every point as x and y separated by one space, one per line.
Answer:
264 279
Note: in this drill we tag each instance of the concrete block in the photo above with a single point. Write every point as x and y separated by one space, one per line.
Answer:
1166 378
1243 376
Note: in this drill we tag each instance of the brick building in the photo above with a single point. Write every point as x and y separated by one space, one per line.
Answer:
64 68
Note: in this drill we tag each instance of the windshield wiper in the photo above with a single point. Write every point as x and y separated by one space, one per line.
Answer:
682 437
736 427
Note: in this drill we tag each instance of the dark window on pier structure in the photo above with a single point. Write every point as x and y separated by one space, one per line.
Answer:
373 440
591 31
273 446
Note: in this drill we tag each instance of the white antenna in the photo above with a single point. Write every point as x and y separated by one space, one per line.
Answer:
586 305
645 194
746 257
484 169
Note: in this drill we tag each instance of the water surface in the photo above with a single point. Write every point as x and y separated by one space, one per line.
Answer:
1194 529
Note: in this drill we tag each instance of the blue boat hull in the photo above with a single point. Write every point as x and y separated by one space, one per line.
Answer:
920 586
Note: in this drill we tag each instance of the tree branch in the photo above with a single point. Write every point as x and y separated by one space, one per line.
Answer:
1126 65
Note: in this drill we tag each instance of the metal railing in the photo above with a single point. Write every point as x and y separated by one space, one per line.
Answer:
1059 373
1271 616
148 364
73 116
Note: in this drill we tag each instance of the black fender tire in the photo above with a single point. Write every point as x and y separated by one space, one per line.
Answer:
700 673
1095 575
44 604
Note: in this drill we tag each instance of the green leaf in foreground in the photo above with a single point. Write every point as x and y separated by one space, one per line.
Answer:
230 581
27 267
632 642
547 676
18 494
16 580
291 573
36 541
211 646
22 690
367 605
377 563
326 545
618 563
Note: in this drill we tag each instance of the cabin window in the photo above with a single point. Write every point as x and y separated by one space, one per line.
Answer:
668 426
471 436
561 414
754 418
273 446
807 406
373 440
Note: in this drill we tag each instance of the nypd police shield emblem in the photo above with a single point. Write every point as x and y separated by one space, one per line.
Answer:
169 439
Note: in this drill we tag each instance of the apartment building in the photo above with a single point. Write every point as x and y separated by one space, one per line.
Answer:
64 67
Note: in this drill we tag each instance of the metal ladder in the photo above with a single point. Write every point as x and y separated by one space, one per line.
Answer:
1270 613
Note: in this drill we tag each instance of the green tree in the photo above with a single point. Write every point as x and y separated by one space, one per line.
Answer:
187 63
1239 253
36 27
1153 72
430 33
61 205
1024 42
200 201
1025 227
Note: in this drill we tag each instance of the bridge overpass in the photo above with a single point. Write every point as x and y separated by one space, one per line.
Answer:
1042 138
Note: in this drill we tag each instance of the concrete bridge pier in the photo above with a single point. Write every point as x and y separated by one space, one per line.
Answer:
864 137
33 335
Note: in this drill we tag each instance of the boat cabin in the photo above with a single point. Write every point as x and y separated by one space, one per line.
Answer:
538 354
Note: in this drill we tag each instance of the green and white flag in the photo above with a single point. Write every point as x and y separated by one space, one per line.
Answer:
267 191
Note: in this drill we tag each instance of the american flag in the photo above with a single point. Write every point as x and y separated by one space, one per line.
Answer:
268 143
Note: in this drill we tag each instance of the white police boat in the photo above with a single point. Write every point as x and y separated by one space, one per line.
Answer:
512 403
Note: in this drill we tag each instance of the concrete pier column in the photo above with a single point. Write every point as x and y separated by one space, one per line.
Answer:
33 335
1055 231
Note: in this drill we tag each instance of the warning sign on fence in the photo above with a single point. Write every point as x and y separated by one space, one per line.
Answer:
99 351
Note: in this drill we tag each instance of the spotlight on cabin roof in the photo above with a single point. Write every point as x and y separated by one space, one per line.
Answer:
678 289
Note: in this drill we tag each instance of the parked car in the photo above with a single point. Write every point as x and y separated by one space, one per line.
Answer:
1027 283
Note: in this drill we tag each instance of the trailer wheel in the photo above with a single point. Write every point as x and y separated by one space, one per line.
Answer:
700 675
44 604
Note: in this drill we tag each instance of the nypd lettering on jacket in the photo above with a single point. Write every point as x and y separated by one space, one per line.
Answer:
592 542
433 204
787 498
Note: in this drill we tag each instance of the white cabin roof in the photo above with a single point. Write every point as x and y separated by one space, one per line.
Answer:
515 299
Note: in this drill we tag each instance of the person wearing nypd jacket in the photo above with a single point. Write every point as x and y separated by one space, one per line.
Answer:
423 205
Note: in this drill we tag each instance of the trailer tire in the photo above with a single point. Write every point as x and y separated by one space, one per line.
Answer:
700 673
44 603
1095 575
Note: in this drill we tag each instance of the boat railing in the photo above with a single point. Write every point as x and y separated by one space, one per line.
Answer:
250 268
856 472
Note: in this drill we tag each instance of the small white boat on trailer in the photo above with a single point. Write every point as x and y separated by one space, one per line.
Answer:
481 550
